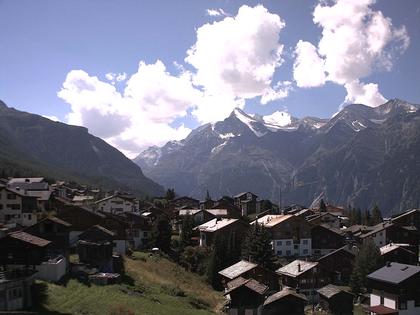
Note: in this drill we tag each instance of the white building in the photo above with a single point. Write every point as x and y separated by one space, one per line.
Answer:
291 235
117 204
395 289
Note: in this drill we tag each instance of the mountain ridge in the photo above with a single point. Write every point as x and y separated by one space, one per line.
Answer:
32 144
344 157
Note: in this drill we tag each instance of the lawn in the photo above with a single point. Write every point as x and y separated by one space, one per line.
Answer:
153 285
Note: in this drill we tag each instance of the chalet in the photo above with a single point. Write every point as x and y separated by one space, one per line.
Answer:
401 253
287 301
303 213
82 200
247 202
17 207
21 248
232 229
248 270
408 218
395 290
291 235
54 230
304 275
187 202
200 216
232 210
326 239
80 218
35 187
338 265
325 218
389 232
246 296
95 247
207 204
140 230
117 203
335 300
16 289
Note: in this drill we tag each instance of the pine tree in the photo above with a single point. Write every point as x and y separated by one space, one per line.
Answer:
170 194
162 237
322 206
368 259
366 218
186 231
257 247
376 215
217 262
208 197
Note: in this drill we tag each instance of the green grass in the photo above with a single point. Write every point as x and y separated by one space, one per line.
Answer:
153 285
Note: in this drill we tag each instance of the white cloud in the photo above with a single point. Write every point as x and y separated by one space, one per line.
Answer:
279 91
235 58
308 68
116 77
356 40
136 118
216 12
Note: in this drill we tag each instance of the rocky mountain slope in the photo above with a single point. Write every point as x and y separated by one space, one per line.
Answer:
362 156
33 145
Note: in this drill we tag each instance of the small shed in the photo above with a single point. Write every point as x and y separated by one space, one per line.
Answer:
336 300
286 301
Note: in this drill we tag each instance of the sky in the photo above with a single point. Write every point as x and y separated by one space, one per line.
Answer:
141 73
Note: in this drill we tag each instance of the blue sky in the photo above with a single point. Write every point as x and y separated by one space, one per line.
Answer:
43 42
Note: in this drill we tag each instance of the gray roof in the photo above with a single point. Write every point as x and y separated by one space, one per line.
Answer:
330 290
394 273
296 268
251 284
283 293
237 269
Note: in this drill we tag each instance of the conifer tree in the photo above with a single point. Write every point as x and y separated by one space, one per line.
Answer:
376 215
322 206
368 259
186 231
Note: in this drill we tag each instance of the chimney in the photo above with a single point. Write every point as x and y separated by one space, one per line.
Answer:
299 268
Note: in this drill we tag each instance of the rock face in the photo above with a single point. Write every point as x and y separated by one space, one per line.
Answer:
362 156
31 144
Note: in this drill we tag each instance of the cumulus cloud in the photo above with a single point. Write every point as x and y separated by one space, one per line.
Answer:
356 40
236 58
308 69
137 117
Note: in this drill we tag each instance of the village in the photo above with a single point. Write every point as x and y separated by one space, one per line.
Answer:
263 258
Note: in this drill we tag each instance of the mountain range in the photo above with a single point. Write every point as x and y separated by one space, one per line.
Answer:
33 145
362 157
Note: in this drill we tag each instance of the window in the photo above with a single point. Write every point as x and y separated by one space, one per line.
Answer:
403 305
296 247
305 252
382 300
145 234
279 243
279 252
11 196
288 243
288 253
1 206
136 233
29 216
14 206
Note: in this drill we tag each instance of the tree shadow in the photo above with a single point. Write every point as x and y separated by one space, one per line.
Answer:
39 297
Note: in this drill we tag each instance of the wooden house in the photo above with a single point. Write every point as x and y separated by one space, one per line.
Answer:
335 300
249 270
395 289
247 202
287 301
303 275
230 229
401 253
326 239
338 265
246 296
16 289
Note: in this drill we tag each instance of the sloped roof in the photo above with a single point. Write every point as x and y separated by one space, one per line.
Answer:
296 268
391 247
29 238
270 220
394 273
57 220
215 225
237 269
283 293
251 284
217 212
183 212
381 310
330 290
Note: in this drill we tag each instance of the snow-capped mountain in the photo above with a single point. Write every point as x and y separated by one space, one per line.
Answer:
344 157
